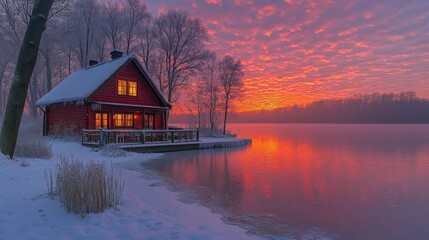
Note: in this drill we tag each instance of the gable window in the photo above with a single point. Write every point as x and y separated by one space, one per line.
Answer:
132 88
121 120
122 87
127 88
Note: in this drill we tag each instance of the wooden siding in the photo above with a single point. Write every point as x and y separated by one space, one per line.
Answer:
61 119
138 116
80 117
145 94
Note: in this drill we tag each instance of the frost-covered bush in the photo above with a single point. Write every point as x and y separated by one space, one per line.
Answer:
65 131
33 146
87 187
31 143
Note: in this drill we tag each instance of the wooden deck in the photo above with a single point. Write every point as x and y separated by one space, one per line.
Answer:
158 140
99 138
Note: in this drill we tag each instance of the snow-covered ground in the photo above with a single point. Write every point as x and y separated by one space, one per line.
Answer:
148 209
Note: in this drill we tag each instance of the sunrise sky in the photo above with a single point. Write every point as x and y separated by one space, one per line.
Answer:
299 51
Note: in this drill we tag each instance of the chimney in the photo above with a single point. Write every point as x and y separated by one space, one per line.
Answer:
115 54
93 62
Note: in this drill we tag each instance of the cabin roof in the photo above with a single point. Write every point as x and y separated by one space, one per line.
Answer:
78 86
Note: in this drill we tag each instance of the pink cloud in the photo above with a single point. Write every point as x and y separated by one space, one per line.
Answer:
215 2
266 11
297 51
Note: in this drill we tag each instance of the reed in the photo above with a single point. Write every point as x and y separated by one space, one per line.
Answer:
88 187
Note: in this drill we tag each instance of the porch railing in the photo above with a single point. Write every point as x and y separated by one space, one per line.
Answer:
102 137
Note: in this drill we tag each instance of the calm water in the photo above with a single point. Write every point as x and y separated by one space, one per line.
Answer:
314 180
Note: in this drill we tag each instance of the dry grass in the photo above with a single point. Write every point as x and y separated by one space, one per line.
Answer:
33 146
88 188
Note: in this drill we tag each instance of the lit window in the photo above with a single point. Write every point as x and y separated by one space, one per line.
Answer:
97 120
123 120
104 120
119 120
129 120
132 89
101 120
122 87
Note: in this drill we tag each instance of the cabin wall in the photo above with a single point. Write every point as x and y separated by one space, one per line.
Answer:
74 117
111 110
64 119
138 116
145 94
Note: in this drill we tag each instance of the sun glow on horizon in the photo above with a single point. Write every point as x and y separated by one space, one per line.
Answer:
298 52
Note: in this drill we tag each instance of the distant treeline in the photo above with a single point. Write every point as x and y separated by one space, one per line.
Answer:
404 107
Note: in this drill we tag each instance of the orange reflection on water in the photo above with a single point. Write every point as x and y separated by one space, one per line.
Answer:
360 181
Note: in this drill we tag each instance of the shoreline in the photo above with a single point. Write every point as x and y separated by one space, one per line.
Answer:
149 210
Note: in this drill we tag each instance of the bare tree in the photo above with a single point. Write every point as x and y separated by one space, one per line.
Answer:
14 19
113 23
147 40
182 44
49 49
100 46
7 56
231 79
195 103
210 90
81 28
3 85
26 61
152 57
135 13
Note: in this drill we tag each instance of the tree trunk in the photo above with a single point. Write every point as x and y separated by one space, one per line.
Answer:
225 115
27 59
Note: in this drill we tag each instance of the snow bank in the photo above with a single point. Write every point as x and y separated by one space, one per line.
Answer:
148 211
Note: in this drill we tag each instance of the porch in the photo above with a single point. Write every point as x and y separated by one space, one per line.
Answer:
101 137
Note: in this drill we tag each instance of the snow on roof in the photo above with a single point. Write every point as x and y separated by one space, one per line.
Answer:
81 84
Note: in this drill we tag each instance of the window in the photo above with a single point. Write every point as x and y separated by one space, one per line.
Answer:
123 120
122 87
127 88
101 120
149 121
119 120
129 120
132 89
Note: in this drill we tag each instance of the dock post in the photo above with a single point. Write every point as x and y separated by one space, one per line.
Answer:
198 134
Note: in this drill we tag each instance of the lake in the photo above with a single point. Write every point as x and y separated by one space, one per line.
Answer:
312 181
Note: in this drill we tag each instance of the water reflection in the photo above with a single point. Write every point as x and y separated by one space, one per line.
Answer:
358 181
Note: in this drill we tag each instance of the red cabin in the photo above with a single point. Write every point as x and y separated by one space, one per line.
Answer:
118 94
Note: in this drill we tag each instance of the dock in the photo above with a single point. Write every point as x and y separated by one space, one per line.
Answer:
203 143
